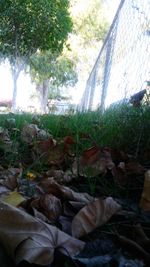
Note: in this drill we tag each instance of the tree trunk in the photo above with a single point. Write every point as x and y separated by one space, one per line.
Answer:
15 75
43 89
16 69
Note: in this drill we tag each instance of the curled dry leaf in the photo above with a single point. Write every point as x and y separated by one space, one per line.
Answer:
26 238
6 143
31 132
119 173
39 215
51 187
94 215
49 205
68 142
93 161
48 151
9 177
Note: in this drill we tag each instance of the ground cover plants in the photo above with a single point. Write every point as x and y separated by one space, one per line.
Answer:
74 189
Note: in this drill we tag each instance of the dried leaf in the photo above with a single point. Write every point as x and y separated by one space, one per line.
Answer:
48 151
60 176
68 142
65 224
31 132
44 146
145 198
90 155
119 173
9 177
5 142
93 162
4 135
72 207
39 215
10 182
94 215
49 205
13 198
3 190
51 187
26 238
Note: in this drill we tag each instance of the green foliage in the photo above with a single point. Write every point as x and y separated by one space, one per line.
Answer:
92 25
89 28
28 25
58 69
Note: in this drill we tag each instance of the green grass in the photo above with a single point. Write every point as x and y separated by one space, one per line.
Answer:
121 126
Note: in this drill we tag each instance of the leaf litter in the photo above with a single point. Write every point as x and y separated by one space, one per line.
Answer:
45 211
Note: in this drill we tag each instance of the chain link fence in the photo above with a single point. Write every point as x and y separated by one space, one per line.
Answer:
122 67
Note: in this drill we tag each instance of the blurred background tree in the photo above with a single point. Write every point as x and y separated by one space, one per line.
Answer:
28 26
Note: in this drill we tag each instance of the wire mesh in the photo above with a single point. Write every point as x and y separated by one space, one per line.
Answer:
122 67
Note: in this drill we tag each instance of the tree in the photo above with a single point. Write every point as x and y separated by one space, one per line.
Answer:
90 23
51 71
28 26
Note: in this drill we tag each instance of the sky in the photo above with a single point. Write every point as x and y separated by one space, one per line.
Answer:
24 82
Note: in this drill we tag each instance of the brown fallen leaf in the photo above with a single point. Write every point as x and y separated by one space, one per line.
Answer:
39 215
27 238
51 187
49 205
72 207
68 142
31 132
6 143
119 173
49 152
60 176
94 215
9 177
10 182
93 161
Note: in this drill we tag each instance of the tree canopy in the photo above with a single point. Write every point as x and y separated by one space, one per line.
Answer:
50 72
30 25
89 29
59 69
